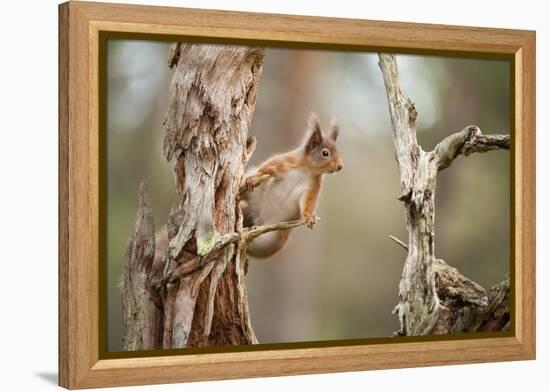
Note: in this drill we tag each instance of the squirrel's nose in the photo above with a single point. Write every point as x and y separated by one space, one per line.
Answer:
340 166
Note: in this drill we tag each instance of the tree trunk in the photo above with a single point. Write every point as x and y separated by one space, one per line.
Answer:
434 298
194 293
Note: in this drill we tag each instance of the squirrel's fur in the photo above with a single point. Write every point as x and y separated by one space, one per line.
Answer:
292 190
290 193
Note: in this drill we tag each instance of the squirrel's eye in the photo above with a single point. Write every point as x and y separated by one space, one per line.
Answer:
325 152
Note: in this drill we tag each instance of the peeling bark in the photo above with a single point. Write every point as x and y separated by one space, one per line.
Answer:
141 315
198 281
434 298
212 99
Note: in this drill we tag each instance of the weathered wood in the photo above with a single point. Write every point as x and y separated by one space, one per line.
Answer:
212 99
466 142
434 298
199 278
139 310
497 313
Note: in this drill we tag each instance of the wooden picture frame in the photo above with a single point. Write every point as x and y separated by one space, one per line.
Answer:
81 24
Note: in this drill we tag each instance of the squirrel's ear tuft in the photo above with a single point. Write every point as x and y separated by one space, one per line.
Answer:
334 130
315 137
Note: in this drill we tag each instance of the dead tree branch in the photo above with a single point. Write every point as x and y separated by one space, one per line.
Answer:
434 298
466 142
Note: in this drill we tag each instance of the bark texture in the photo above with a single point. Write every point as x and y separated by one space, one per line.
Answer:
197 286
140 312
212 100
434 298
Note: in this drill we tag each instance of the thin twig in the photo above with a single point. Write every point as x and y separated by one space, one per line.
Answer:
245 238
249 234
399 242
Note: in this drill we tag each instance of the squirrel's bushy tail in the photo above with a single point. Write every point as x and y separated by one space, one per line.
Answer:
268 244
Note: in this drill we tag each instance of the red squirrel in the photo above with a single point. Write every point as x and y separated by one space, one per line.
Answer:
292 190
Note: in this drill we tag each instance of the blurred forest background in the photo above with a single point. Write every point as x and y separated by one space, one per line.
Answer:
339 281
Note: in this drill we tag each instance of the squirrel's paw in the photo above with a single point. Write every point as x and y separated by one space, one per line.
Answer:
249 183
310 221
